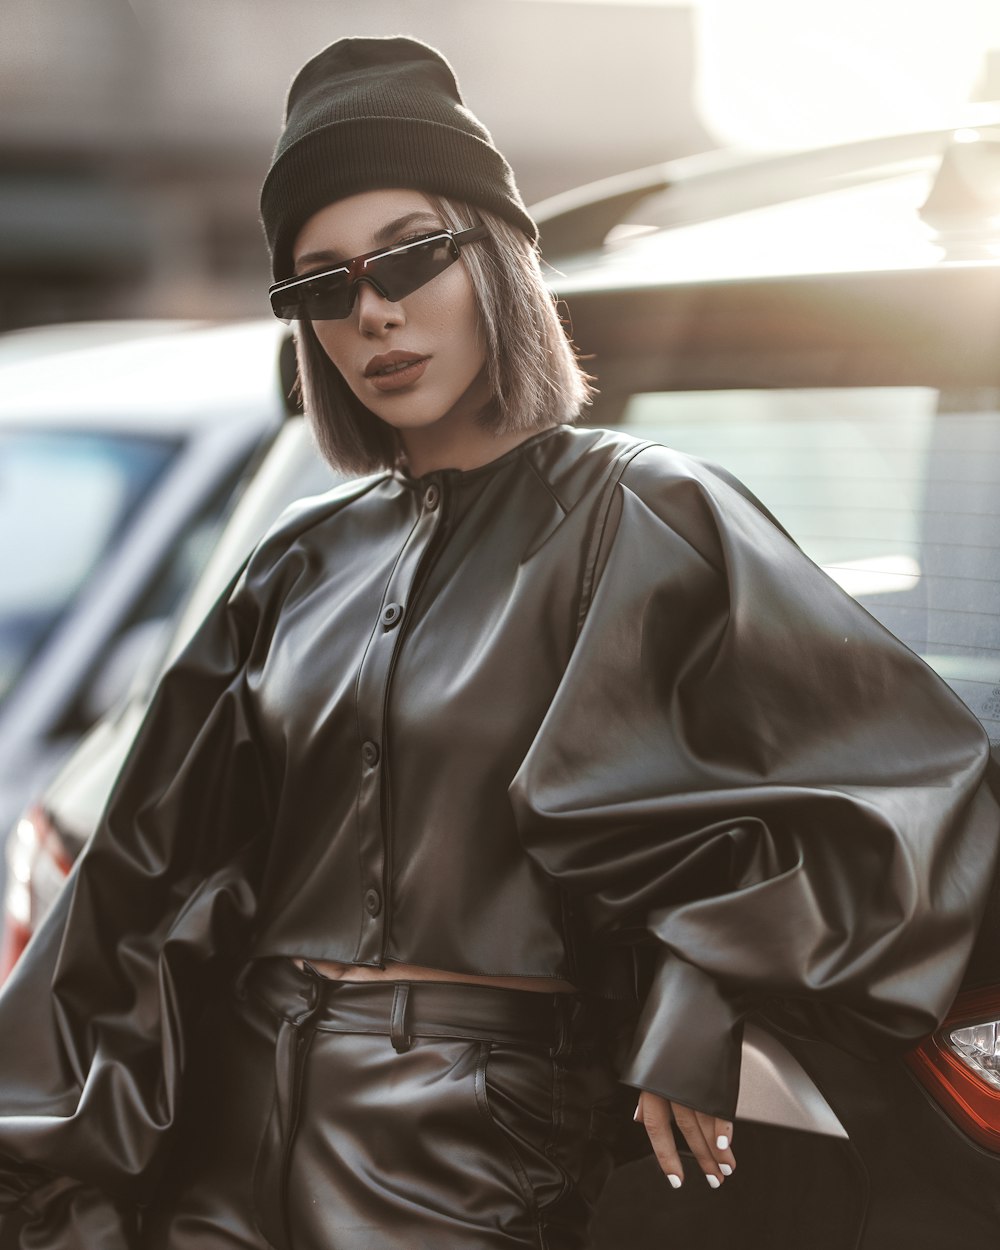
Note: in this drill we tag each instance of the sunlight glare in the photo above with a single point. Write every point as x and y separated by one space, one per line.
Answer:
780 74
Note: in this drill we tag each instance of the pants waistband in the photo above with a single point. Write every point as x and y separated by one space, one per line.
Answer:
403 1010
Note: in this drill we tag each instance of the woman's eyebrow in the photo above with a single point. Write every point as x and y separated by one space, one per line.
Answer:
392 228
381 237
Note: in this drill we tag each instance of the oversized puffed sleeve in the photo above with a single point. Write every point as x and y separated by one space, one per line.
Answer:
743 764
97 1017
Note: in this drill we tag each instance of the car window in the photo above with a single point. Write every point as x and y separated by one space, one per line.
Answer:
188 555
64 499
291 470
894 490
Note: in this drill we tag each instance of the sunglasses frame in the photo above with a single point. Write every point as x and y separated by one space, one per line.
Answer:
357 270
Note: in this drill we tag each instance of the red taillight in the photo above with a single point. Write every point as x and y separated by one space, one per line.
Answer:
960 1065
37 865
12 944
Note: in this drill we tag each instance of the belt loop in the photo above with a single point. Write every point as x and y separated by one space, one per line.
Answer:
564 1026
398 1035
567 1007
317 981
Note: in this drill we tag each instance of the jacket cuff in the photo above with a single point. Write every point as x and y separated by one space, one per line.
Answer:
687 1044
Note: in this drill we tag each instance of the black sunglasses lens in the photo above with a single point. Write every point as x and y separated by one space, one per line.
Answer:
325 298
330 296
401 273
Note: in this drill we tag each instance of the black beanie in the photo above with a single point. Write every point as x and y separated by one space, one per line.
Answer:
366 114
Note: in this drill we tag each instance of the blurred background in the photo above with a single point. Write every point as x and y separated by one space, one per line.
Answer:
134 133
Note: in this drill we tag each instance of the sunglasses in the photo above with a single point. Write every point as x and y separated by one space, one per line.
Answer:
394 272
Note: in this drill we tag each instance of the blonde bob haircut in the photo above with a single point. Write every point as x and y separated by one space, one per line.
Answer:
534 375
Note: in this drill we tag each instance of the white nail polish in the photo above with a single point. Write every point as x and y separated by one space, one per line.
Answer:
713 1181
675 1181
722 1142
725 1169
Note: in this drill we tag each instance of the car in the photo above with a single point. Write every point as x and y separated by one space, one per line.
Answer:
825 327
120 450
51 832
829 334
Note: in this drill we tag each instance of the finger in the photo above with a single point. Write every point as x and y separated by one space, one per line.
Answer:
717 1134
722 1132
654 1115
693 1125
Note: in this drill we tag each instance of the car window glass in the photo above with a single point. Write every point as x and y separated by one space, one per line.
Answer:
894 490
158 600
183 563
64 499
292 470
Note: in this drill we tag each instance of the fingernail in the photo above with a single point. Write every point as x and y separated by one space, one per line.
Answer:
713 1180
674 1180
635 1115
722 1142
725 1169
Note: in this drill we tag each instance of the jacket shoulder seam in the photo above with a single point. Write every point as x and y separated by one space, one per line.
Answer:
598 535
546 485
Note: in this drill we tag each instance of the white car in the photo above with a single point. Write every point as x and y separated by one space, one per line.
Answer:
121 447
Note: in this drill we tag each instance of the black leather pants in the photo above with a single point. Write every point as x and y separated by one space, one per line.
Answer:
326 1115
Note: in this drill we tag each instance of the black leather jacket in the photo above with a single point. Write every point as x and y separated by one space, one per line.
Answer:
516 720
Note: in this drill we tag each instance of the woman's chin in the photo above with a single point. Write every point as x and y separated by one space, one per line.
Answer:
440 418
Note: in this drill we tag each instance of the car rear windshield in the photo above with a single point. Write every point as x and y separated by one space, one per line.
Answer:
895 491
65 497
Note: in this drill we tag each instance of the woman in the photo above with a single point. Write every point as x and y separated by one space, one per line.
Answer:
511 776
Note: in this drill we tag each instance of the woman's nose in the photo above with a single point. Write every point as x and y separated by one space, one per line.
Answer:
376 314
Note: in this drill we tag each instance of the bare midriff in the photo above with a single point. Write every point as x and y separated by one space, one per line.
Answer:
413 972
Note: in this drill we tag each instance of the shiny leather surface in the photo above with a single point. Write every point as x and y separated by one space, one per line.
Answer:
582 700
489 1128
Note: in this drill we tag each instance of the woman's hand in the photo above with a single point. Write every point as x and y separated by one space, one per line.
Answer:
708 1138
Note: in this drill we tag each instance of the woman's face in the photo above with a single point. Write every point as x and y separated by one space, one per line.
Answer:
413 363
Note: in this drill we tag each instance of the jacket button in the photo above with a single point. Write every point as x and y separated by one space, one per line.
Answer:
432 496
370 754
373 902
392 614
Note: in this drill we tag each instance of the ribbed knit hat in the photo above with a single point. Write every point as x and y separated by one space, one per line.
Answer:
378 113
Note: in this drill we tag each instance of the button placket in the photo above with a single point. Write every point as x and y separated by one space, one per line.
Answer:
373 686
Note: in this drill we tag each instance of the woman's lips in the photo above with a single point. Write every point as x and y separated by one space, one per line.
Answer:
388 374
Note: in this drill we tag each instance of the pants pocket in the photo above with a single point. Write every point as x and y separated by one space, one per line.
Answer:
555 1118
517 1094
